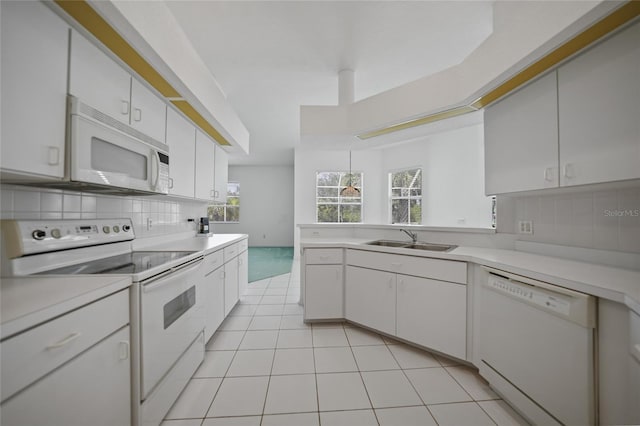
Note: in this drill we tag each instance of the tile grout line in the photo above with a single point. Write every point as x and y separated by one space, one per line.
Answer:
362 379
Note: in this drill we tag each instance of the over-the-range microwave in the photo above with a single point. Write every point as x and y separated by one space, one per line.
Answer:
107 156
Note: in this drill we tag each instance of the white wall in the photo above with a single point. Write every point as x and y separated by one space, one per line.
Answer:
266 205
452 177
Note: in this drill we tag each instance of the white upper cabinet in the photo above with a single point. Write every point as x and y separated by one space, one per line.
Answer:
181 138
577 125
521 139
599 109
98 81
34 43
148 112
221 175
205 163
103 84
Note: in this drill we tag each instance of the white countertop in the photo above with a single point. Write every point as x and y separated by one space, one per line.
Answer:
616 284
205 244
29 301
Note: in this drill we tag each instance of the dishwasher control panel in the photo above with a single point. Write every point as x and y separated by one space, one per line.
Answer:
531 295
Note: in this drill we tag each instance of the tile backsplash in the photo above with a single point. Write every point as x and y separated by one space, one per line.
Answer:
167 216
601 219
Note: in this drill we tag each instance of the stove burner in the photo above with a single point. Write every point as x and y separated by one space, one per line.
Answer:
129 263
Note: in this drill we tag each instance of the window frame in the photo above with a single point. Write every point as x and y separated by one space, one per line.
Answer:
391 197
361 188
226 205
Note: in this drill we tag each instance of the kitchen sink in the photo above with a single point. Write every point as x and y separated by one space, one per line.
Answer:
388 243
416 246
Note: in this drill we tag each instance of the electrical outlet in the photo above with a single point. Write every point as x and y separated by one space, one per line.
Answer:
149 224
525 227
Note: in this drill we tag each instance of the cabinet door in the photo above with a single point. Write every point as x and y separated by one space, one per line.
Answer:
521 139
98 80
230 285
204 173
214 302
243 272
181 138
148 112
323 292
599 112
92 389
221 174
371 298
34 44
433 314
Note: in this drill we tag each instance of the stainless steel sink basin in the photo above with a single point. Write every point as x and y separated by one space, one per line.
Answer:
388 243
417 246
431 247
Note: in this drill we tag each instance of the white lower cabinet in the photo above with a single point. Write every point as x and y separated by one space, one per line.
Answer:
214 301
230 285
324 292
370 298
432 313
243 272
93 388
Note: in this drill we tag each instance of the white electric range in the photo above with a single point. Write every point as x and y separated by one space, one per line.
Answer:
166 307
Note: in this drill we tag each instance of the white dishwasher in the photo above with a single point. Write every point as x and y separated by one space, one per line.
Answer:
536 347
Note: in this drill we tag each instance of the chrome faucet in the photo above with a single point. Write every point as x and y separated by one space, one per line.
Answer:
413 235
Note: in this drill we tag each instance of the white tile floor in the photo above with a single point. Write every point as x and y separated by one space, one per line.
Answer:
266 367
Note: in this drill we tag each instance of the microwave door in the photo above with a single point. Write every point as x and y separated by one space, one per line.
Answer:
100 155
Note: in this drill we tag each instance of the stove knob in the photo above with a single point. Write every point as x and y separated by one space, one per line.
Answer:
106 229
126 228
55 233
116 229
38 234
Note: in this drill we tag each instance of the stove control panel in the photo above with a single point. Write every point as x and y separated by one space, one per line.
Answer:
22 237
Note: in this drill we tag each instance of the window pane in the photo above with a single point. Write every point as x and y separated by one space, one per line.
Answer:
333 200
328 192
233 214
327 213
353 179
416 211
216 213
351 213
399 211
233 189
328 179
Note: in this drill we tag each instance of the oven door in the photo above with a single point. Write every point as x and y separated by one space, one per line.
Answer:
170 320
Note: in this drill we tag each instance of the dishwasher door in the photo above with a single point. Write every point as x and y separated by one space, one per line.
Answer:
536 347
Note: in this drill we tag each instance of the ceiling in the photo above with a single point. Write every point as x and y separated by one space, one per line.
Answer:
270 57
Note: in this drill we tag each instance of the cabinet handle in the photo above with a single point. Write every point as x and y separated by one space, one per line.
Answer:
401 285
390 283
325 257
212 194
170 183
223 275
548 174
125 107
65 341
54 156
137 116
123 350
569 172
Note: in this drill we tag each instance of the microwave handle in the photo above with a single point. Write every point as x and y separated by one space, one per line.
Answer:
155 169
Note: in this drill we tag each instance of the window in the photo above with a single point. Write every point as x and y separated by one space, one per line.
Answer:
406 196
330 205
229 212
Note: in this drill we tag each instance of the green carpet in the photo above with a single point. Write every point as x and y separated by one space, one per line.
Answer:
267 262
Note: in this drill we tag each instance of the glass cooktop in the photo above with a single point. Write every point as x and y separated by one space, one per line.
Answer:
129 263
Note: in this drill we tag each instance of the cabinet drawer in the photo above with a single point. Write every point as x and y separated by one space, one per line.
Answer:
32 354
230 252
323 256
446 270
213 261
243 245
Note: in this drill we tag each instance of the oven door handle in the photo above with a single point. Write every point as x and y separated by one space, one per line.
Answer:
173 273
